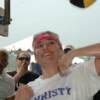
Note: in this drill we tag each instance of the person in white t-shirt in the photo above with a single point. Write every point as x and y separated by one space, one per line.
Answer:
59 79
7 83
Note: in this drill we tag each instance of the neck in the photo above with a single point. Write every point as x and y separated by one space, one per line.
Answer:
49 70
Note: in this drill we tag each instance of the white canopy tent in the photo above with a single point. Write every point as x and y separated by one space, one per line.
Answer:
75 26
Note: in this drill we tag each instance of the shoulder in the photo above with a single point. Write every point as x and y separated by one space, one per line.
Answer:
24 93
9 80
35 83
9 84
86 67
32 75
12 73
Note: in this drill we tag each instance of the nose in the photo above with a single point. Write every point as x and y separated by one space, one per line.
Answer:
46 46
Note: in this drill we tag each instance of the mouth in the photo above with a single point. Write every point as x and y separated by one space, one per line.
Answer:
48 54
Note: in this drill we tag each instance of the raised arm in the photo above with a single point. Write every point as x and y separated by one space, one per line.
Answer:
91 50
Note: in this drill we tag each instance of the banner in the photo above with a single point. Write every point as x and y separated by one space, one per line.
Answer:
3 28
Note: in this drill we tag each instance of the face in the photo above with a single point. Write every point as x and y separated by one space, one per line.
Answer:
23 59
47 51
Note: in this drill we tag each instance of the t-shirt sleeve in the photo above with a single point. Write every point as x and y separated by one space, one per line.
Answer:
88 67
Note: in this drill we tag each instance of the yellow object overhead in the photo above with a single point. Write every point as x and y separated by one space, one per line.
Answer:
88 2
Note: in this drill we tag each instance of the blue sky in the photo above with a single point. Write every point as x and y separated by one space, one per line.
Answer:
75 26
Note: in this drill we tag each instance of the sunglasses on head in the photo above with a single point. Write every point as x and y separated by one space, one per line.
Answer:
24 58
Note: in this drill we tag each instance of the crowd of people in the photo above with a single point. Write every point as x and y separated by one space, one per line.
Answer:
59 79
22 75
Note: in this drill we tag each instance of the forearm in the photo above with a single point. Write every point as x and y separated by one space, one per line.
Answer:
17 76
91 50
20 72
66 59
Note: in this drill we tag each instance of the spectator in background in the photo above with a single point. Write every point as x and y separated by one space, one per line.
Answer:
68 48
75 60
22 75
36 68
7 84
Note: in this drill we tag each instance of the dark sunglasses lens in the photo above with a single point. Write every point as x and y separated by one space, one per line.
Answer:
82 3
24 58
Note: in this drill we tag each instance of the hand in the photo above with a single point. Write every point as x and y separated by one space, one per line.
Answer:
22 69
20 72
24 93
65 62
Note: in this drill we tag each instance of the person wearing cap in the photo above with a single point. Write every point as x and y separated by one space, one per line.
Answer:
22 75
59 80
68 48
75 60
7 84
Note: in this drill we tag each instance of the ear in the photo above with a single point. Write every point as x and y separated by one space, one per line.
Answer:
36 59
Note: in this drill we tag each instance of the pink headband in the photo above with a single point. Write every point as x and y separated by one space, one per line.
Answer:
47 37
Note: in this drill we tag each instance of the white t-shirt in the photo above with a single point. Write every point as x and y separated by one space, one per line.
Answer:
7 86
81 84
